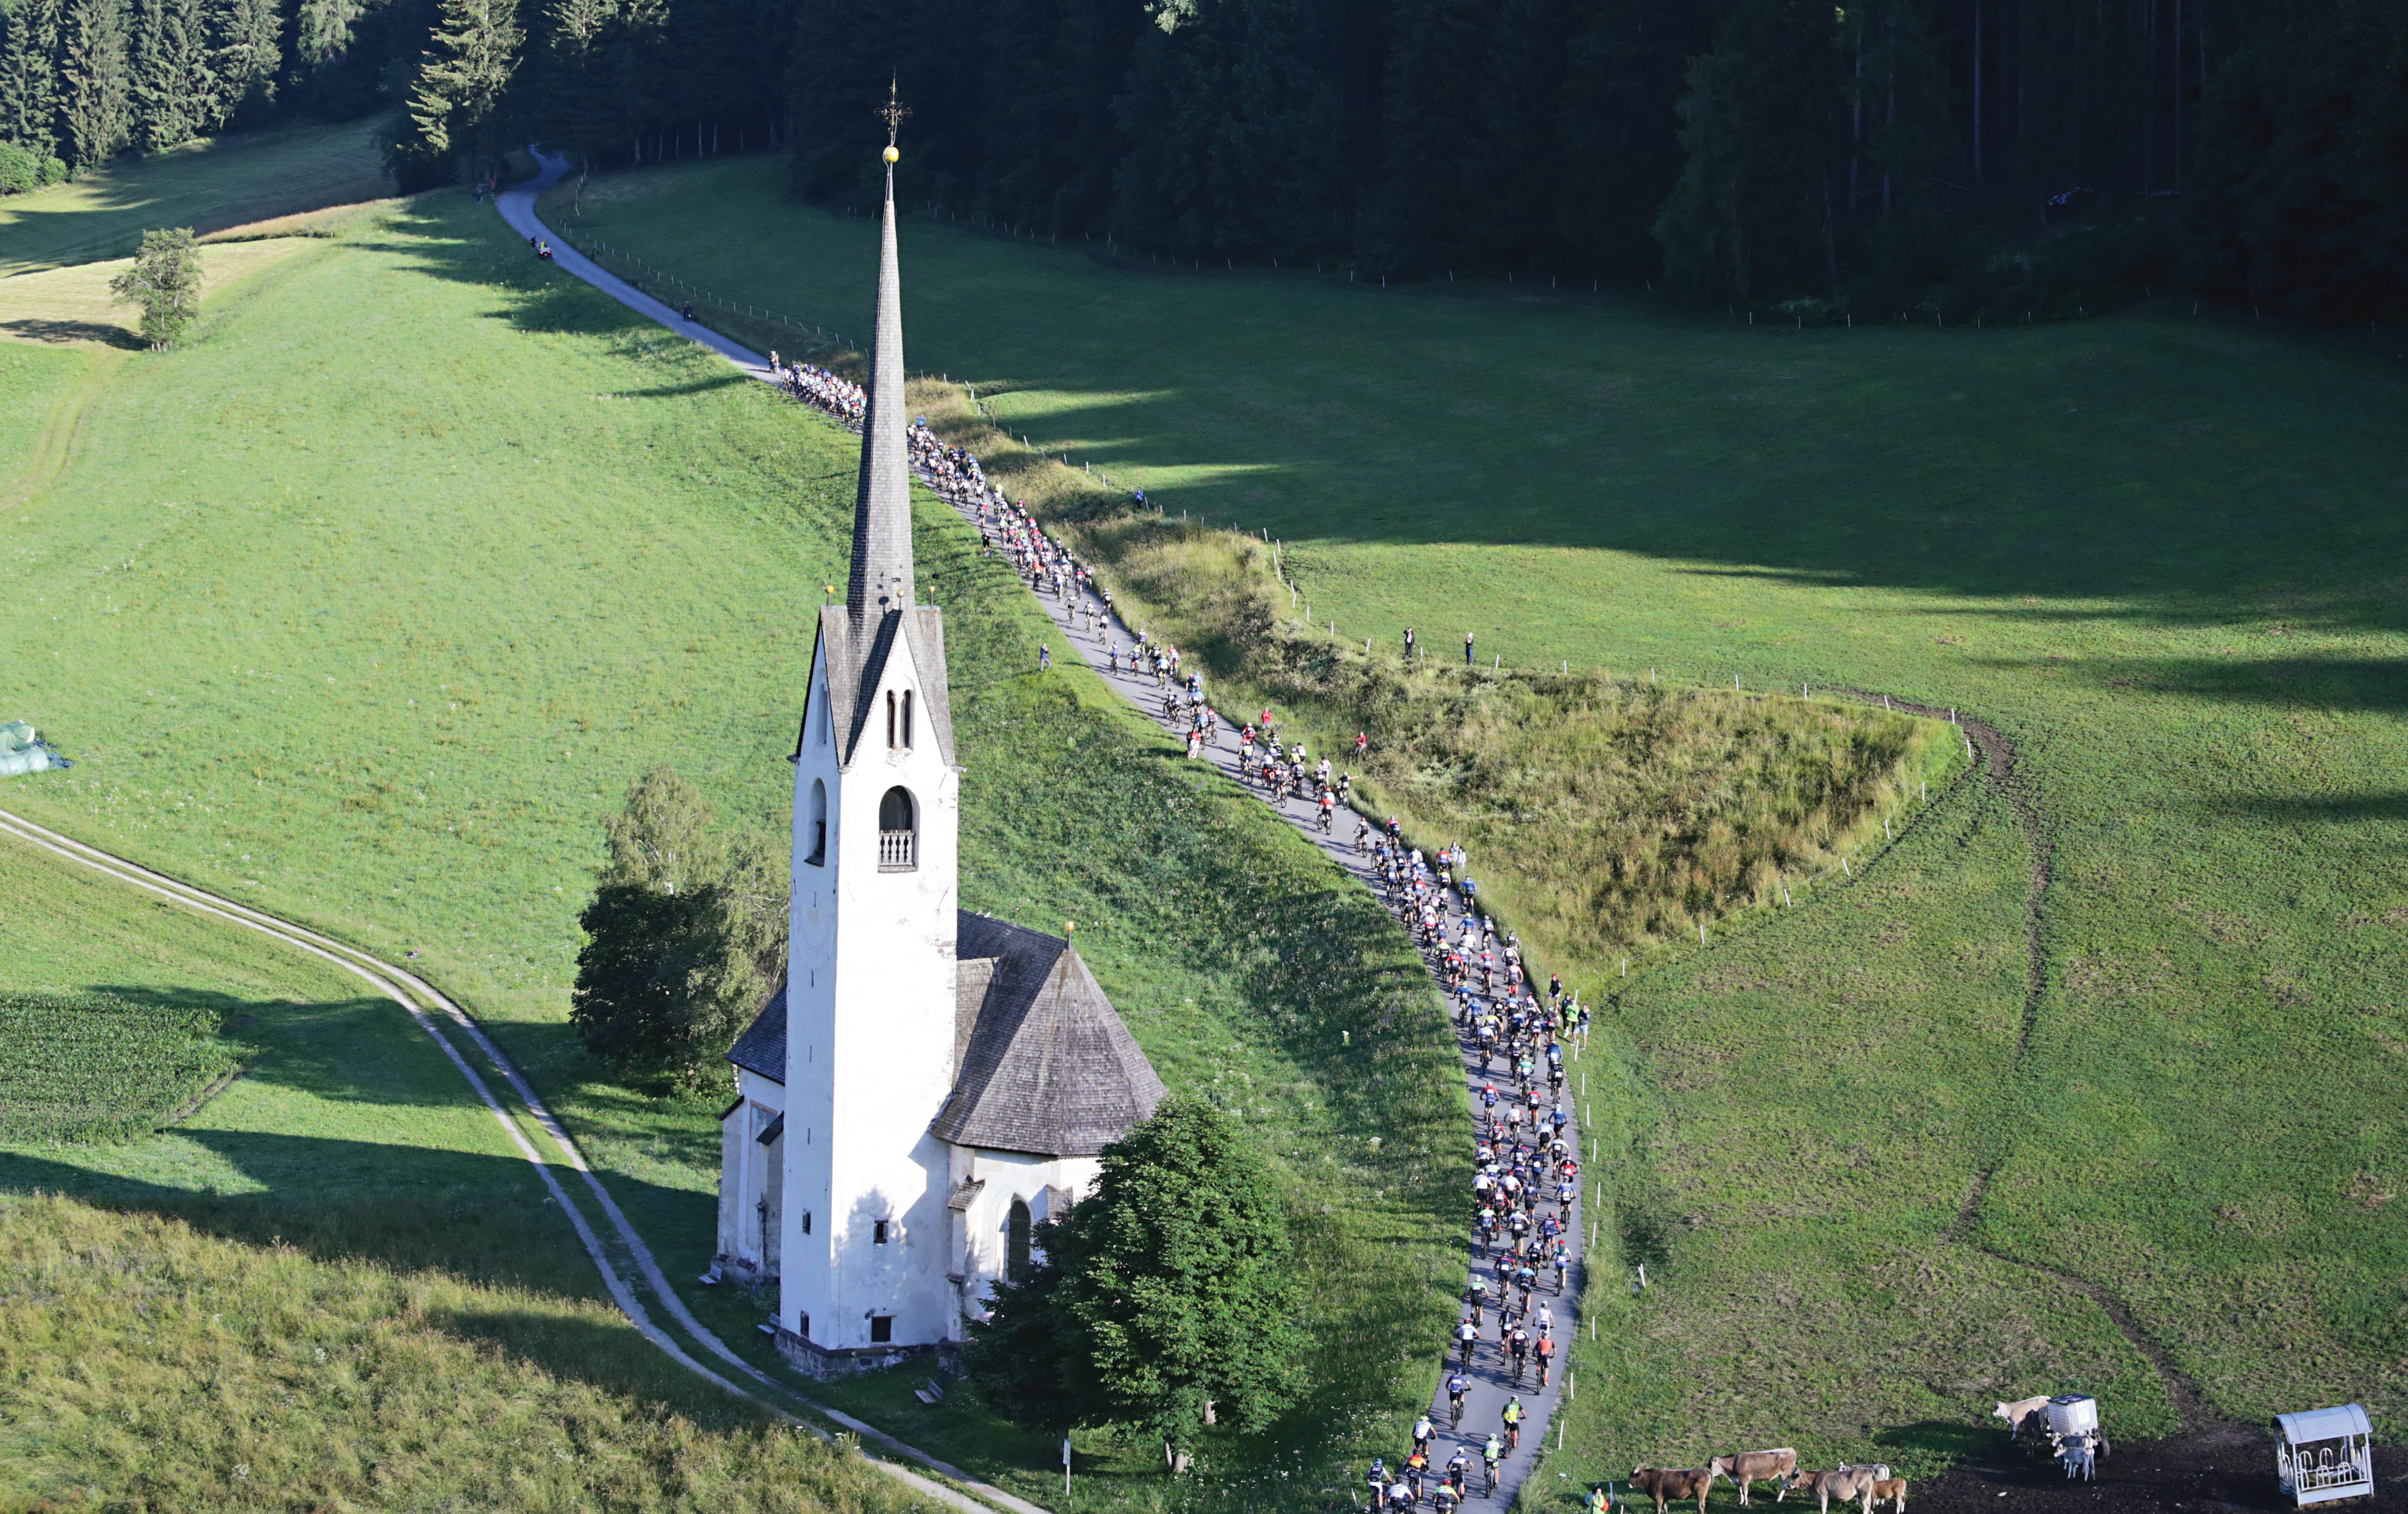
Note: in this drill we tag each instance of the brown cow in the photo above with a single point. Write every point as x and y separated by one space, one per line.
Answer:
1673 1486
1849 1484
1889 1495
1746 1467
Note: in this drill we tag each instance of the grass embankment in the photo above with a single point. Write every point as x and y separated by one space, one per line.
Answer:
2159 553
149 1364
333 1283
375 647
208 186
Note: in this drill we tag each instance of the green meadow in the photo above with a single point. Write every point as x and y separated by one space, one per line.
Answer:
209 185
365 605
2119 1028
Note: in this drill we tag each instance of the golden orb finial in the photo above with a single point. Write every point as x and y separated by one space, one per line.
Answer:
893 114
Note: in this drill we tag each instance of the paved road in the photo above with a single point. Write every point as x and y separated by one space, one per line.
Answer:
1491 1387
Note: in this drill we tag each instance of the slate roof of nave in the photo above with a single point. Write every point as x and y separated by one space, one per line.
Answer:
1045 1066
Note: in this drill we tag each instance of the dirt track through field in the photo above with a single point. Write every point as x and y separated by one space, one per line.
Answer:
1998 769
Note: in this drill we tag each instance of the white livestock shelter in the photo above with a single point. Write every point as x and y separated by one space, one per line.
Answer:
2324 1454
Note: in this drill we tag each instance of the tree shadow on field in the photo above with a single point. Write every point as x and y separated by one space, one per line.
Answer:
36 329
2343 808
482 1220
2369 684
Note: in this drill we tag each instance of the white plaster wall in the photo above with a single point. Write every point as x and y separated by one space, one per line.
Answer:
869 1029
748 1171
1010 1175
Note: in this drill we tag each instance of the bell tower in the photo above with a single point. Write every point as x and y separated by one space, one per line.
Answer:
865 1230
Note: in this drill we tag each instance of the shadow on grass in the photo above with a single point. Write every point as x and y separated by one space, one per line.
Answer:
2374 684
35 329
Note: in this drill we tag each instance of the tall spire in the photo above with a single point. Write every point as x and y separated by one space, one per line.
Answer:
882 510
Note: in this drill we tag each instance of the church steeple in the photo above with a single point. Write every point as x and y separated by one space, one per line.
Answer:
881 511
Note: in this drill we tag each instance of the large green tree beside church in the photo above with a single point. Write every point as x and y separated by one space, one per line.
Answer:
1166 1301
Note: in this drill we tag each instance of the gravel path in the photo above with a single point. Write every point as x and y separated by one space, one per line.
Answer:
1491 1384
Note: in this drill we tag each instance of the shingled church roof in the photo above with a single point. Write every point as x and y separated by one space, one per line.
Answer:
762 1048
1043 1065
1049 1069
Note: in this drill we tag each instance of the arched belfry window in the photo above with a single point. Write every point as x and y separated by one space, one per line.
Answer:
898 832
1017 1229
817 834
899 720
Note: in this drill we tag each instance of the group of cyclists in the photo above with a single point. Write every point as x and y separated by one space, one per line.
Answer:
1526 1172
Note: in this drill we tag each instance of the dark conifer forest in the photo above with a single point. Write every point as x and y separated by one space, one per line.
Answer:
1875 158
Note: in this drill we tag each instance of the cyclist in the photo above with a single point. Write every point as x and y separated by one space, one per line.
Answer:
1490 1456
1444 1497
1467 1334
1417 1466
1512 1417
1423 1433
1378 1479
1546 1349
1456 1386
1458 1470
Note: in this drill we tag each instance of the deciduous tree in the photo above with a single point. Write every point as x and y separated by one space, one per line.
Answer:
165 281
1167 1300
683 934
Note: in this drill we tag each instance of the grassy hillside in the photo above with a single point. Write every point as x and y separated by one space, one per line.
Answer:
206 186
341 1250
375 644
151 1365
2158 554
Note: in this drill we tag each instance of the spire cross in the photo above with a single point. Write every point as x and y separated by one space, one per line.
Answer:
893 112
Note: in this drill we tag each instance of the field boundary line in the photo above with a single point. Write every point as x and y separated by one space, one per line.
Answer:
387 980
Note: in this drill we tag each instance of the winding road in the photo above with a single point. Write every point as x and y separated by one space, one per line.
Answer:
1491 1388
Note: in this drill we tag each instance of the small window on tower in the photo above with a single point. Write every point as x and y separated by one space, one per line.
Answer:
882 1329
877 1233
806 1222
906 719
818 831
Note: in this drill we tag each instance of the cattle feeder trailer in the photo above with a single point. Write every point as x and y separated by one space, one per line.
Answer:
2323 1454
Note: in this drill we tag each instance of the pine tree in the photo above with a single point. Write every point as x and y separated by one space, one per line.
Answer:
470 58
170 73
245 50
322 29
97 93
1752 214
571 107
29 77
1622 156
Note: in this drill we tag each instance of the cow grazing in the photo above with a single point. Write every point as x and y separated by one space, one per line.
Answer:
1669 1485
1889 1495
1747 1467
1848 1484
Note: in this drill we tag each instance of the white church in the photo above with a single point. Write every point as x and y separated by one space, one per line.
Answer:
928 1082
